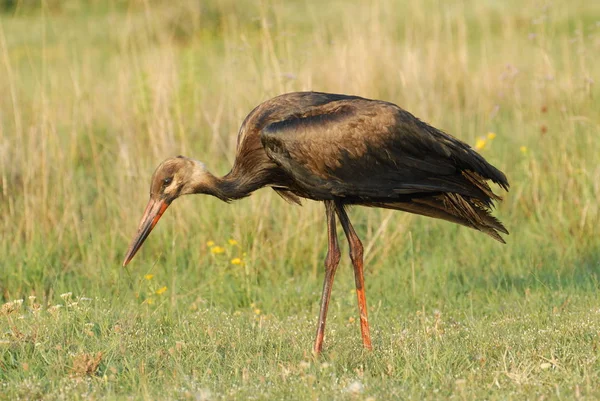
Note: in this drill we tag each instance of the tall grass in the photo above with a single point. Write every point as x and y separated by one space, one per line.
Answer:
95 94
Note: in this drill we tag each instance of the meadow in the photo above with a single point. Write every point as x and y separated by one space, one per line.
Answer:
222 300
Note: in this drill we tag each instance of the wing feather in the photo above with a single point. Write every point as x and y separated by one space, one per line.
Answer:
366 149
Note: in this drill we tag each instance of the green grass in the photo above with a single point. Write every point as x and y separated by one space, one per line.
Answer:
95 94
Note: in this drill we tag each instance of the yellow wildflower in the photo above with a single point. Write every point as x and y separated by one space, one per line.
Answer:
491 135
523 149
236 261
480 144
148 276
161 290
217 249
257 311
149 301
232 241
210 243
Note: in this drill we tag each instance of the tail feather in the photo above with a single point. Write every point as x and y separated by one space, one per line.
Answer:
469 212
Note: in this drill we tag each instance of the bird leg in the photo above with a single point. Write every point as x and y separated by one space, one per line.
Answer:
331 263
356 254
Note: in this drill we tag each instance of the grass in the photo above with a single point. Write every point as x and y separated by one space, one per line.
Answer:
95 94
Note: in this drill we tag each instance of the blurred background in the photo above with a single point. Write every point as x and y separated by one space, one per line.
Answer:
94 94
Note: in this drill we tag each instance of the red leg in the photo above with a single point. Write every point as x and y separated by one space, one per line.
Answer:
331 262
356 254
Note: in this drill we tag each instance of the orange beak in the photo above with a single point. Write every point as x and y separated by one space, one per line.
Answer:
152 214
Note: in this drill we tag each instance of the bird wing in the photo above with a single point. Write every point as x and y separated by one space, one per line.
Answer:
367 149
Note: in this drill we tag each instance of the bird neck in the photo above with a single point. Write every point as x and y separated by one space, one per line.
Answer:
231 186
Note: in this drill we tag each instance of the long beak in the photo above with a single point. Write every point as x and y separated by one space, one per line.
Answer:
152 214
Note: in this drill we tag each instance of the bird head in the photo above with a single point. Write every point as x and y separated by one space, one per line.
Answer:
173 177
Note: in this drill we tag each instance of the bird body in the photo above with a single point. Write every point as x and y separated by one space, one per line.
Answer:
368 152
343 150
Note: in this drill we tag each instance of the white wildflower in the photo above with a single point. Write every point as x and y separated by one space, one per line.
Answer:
355 387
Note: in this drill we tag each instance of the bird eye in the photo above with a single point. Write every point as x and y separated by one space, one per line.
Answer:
167 181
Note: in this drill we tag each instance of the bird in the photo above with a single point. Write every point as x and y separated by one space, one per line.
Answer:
344 151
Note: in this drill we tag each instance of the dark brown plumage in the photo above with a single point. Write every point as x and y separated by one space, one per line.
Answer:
343 150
